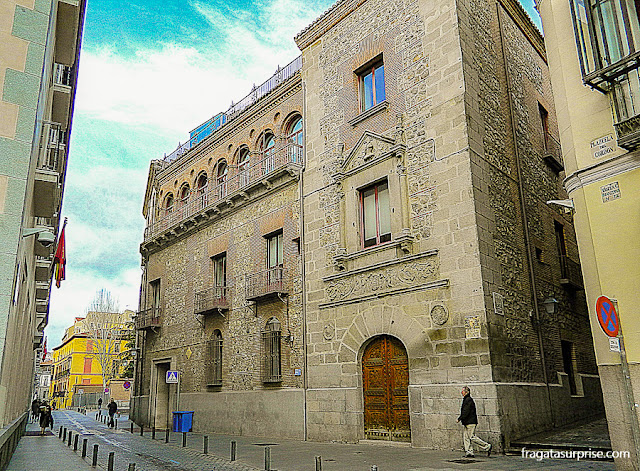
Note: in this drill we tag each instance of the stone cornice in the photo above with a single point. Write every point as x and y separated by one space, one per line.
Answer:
602 170
325 22
526 25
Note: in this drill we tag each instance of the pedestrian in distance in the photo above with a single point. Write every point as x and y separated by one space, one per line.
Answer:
113 408
99 403
35 410
46 418
469 420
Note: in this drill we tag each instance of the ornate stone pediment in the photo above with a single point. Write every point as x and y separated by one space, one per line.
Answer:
370 146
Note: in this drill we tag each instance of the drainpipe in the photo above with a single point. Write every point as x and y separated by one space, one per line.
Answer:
525 222
305 382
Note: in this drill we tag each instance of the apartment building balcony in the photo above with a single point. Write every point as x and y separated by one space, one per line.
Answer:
553 153
212 299
570 273
240 186
43 268
267 283
62 78
50 165
148 318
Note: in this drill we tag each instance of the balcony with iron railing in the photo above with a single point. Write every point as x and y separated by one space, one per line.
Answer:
212 299
553 153
285 159
263 284
62 75
570 273
148 318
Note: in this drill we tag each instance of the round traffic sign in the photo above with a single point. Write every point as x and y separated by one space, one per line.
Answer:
607 316
127 384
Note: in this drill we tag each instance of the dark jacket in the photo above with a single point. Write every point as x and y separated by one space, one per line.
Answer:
46 419
113 407
468 411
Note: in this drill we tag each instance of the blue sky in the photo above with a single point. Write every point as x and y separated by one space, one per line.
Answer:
150 71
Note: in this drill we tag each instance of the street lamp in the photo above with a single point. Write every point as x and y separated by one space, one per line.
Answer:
550 304
45 237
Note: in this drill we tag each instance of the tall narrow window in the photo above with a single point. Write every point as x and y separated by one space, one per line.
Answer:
220 276
168 204
271 355
155 296
275 258
562 248
375 215
221 178
371 78
201 185
87 365
568 364
214 373
184 194
268 149
544 121
243 167
295 140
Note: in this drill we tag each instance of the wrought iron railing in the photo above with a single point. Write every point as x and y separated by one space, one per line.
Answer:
290 153
570 272
271 370
52 147
553 152
280 76
265 283
62 75
214 370
148 318
209 299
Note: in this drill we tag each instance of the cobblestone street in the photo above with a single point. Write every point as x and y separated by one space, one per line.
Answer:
287 455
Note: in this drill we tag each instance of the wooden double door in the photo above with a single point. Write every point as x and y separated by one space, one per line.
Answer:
385 381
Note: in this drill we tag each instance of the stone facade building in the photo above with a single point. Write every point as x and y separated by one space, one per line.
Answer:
419 252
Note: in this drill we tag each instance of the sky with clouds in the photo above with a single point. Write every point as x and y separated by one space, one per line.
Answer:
150 71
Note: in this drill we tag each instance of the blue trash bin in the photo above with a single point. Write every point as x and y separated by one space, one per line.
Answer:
183 421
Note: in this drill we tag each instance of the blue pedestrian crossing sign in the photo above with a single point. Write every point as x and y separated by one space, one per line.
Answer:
172 377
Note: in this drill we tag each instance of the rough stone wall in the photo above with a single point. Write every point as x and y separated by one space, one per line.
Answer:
499 100
184 266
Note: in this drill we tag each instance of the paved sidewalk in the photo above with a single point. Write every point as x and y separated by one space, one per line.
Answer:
287 455
45 453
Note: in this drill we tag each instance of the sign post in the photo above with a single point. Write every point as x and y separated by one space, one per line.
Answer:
173 377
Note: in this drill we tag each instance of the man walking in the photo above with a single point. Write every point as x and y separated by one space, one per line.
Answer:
113 408
469 420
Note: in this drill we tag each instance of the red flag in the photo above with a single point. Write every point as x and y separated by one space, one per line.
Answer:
44 350
60 260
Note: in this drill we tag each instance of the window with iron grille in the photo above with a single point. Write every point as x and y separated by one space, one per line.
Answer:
214 369
271 336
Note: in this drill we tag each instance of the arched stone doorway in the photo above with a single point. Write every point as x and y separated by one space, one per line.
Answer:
385 383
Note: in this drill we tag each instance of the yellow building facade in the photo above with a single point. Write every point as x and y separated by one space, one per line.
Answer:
596 83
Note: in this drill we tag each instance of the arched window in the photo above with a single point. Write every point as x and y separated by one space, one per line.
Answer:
168 203
221 178
214 370
184 194
268 147
294 140
271 336
201 186
243 166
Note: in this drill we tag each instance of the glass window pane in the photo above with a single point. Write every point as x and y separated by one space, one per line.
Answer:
280 251
379 73
367 91
384 210
369 214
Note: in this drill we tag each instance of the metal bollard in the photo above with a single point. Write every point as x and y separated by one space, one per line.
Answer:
132 427
153 432
60 432
110 463
64 434
115 424
184 439
69 441
166 435
205 445
142 430
132 467
318 463
75 442
94 460
233 450
267 458
374 468
84 447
